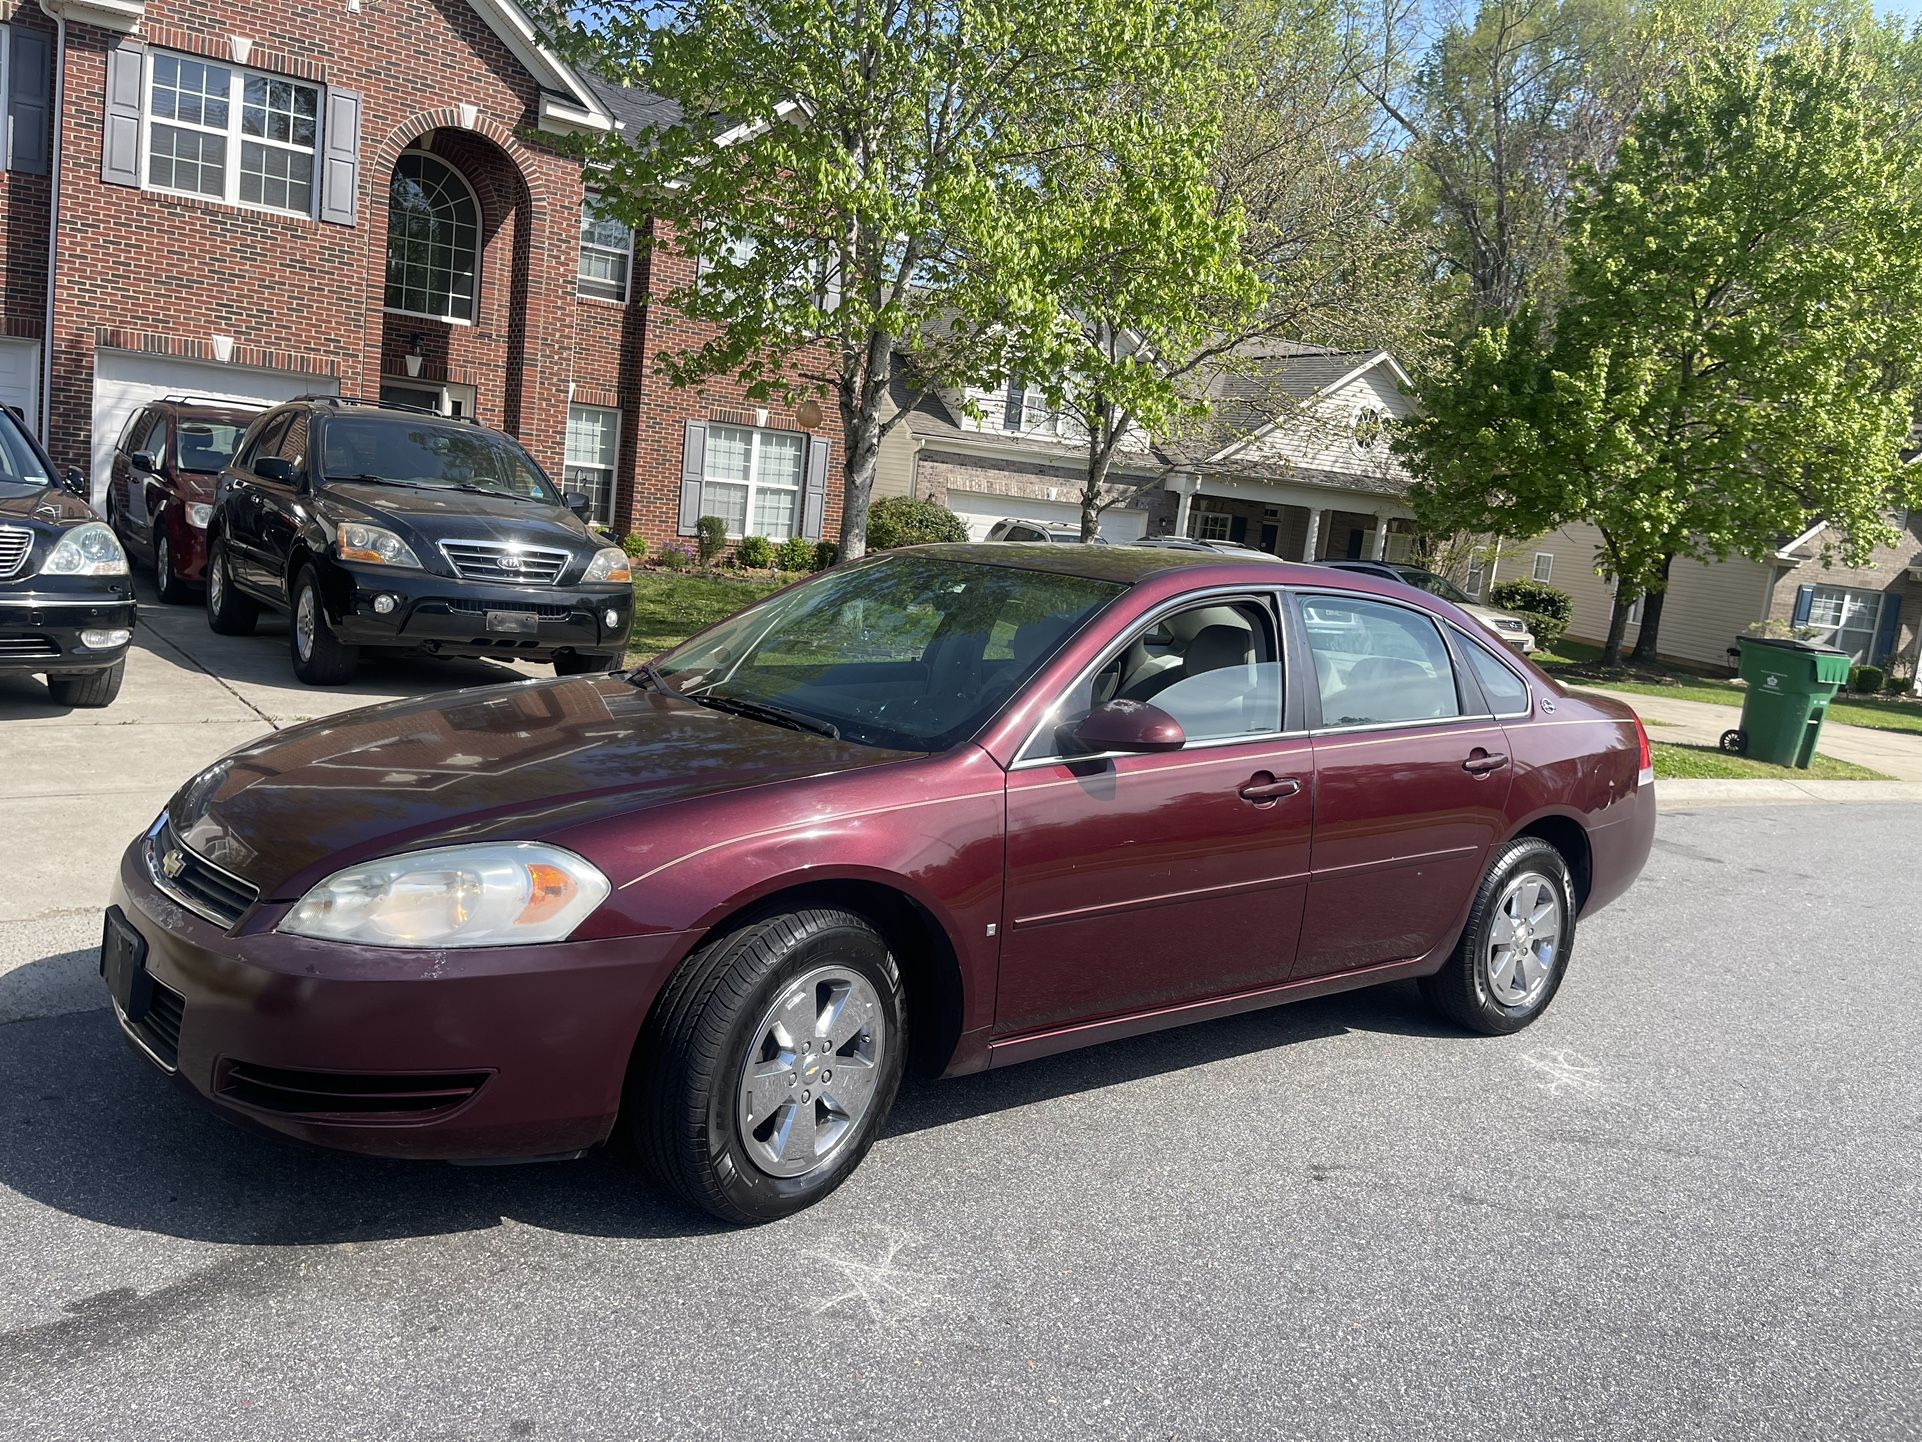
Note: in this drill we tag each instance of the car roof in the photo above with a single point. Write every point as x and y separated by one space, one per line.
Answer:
185 408
1126 565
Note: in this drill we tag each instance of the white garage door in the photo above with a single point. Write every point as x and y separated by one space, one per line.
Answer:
20 379
124 381
980 510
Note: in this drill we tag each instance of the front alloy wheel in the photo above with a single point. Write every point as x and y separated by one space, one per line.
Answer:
809 1079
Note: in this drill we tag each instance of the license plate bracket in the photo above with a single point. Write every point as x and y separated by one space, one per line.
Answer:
513 623
123 962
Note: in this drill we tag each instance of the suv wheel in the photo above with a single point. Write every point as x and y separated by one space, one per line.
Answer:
319 658
228 612
168 586
90 688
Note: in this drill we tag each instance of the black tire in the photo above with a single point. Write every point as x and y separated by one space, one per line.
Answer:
169 587
578 663
327 661
1735 742
1461 990
89 688
228 612
684 1085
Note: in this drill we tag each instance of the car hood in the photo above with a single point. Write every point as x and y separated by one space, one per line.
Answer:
45 504
518 761
438 515
1489 615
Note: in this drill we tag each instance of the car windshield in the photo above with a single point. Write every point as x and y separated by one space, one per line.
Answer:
903 651
1434 585
205 447
432 454
21 464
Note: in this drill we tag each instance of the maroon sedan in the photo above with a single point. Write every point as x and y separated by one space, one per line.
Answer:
959 805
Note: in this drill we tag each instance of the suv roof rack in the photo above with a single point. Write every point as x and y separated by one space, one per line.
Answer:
225 405
376 403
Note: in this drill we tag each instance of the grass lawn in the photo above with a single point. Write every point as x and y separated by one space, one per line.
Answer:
1673 761
670 606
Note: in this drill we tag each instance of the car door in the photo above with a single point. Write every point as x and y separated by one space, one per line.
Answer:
281 508
244 497
130 483
152 486
1137 882
1411 782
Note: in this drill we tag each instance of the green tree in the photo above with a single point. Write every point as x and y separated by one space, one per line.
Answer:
1736 354
861 177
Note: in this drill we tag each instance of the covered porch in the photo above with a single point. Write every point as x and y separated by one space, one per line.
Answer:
1297 522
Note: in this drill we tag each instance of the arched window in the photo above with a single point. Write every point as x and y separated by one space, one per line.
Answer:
433 239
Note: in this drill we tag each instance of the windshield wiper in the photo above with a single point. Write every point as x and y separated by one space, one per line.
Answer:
648 674
761 711
433 486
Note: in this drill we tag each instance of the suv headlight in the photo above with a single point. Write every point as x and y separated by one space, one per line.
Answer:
504 894
198 514
609 564
376 545
91 549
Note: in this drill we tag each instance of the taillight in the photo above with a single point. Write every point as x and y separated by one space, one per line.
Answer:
1644 760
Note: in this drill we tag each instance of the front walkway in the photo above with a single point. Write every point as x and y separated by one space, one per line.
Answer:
1701 723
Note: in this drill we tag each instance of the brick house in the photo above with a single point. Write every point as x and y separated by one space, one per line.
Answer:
361 197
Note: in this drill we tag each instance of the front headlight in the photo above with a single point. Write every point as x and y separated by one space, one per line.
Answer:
504 894
198 514
375 545
610 564
87 550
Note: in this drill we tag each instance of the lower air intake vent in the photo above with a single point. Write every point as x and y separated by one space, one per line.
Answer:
159 1029
359 1095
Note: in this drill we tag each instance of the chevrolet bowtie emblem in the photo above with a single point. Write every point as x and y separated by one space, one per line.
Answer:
173 863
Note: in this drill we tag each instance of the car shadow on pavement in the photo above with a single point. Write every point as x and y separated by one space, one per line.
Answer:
89 1128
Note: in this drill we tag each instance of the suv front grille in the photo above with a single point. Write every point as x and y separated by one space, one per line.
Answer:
15 543
195 882
16 646
502 561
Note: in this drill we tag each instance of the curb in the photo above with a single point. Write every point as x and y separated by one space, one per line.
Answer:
1675 794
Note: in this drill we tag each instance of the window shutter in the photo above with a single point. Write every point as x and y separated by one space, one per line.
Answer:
1804 598
340 158
693 476
1012 407
1891 628
29 100
120 143
814 489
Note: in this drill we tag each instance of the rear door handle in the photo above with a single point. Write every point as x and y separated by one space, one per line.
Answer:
1481 762
1264 790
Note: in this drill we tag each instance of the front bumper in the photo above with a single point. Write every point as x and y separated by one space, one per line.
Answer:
296 1036
460 618
40 631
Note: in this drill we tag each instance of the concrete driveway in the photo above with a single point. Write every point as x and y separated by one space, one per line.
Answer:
76 786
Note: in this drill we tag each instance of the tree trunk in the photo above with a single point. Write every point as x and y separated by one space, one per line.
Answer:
1648 639
1100 458
860 400
1617 630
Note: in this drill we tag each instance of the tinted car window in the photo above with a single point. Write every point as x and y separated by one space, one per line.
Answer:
205 447
1377 663
1507 693
454 457
264 439
905 651
20 462
151 436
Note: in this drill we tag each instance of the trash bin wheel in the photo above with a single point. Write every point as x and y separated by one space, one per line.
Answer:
1735 742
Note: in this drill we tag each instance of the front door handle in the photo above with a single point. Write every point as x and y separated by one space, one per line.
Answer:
1482 763
1264 790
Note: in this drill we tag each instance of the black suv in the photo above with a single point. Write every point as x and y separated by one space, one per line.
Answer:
379 525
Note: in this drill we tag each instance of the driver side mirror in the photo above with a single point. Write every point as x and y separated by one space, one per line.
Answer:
144 462
579 504
75 482
275 468
1131 726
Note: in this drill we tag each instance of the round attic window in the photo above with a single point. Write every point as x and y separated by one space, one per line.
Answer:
1370 424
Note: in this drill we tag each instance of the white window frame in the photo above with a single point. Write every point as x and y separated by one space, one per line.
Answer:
612 465
1363 416
1472 582
236 92
1834 631
1544 574
480 251
6 95
587 246
755 485
445 397
1206 528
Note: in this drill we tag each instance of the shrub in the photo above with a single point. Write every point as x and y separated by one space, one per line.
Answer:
904 521
1866 680
755 551
1527 594
795 554
1548 629
1897 684
635 544
711 538
826 553
676 556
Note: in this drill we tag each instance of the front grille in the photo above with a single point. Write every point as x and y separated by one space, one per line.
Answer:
195 882
505 561
16 646
461 606
159 1029
361 1095
14 545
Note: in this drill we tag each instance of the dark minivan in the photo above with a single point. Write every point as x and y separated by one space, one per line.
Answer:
161 490
376 525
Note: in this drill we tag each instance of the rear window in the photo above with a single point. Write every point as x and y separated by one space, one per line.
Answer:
205 447
1377 664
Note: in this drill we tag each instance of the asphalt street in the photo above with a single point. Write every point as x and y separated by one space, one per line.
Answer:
1682 1206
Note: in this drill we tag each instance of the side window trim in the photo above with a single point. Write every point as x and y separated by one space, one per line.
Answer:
1269 599
1468 693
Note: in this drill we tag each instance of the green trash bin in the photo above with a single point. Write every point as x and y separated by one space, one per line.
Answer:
1790 685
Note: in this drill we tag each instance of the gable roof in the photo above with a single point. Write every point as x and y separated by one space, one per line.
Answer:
1245 412
632 109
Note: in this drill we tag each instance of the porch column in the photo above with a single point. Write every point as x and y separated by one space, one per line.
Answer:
1184 488
1380 549
1182 498
1313 543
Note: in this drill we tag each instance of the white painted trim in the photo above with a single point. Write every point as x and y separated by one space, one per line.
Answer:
121 16
585 114
1374 358
1786 553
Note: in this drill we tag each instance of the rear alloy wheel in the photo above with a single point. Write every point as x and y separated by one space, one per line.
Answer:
228 612
770 1064
1514 950
319 658
90 688
168 586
